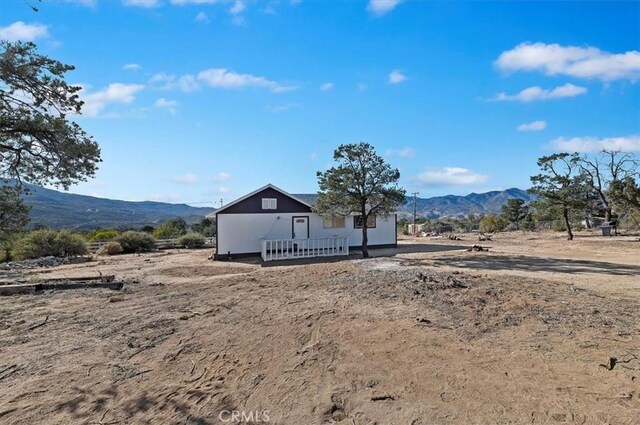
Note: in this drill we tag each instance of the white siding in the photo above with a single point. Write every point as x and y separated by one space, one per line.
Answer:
243 233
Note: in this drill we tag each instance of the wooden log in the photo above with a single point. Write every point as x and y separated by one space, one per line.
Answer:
105 278
34 288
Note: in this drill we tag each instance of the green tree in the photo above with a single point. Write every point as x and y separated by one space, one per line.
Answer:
625 196
171 229
604 172
561 186
206 227
362 183
514 211
38 143
14 213
492 223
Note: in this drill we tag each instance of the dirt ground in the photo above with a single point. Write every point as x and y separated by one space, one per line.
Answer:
424 334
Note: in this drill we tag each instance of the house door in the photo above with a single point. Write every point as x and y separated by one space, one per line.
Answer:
300 227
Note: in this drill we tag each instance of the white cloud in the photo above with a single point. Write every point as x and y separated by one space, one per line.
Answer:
164 103
184 2
450 176
538 93
327 86
221 177
120 93
225 79
188 178
282 108
86 3
223 190
533 126
19 31
381 7
578 62
163 81
396 77
202 17
361 86
237 8
132 67
405 152
141 3
594 144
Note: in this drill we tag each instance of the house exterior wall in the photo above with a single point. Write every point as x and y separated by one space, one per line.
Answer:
243 233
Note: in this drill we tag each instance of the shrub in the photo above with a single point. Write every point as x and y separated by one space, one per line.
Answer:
171 229
110 248
70 244
102 235
131 241
492 223
43 243
191 240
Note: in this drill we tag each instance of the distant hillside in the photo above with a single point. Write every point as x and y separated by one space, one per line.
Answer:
473 203
66 210
452 205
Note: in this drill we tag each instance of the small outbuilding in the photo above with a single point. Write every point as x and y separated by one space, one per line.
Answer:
271 223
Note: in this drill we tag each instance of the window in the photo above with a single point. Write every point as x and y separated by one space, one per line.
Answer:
269 203
334 222
357 221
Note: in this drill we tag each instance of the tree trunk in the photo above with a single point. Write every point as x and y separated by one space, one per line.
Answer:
607 214
565 214
588 222
365 240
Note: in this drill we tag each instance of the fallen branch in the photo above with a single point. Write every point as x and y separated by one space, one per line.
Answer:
193 367
146 347
384 397
33 288
39 324
101 278
10 371
140 373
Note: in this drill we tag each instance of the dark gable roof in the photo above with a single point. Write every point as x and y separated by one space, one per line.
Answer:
309 198
252 202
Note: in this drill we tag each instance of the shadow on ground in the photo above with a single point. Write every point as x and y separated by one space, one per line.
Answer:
354 254
414 248
537 264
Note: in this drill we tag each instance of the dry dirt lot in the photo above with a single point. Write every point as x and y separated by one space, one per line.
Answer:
425 334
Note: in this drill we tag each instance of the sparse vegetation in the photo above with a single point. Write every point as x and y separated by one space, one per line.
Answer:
492 223
103 235
132 241
43 243
191 240
171 229
110 248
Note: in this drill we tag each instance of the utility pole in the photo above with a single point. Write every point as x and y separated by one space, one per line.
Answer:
415 230
220 202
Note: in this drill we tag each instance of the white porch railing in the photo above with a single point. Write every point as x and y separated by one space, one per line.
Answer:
287 249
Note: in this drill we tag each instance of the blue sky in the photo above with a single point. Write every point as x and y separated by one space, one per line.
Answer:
198 100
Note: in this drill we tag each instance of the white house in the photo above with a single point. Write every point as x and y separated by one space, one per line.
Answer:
276 225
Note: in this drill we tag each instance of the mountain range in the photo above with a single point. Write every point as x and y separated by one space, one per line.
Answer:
457 206
57 209
451 205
